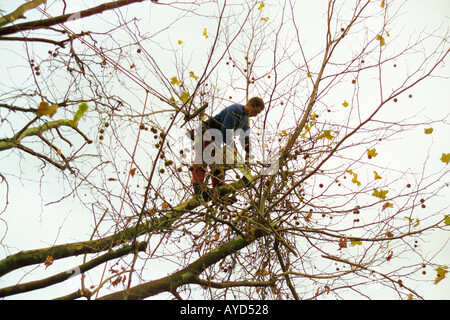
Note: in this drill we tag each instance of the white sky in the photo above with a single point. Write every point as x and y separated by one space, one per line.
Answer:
31 224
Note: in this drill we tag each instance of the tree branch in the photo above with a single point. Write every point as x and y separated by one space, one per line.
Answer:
32 25
187 275
20 11
60 277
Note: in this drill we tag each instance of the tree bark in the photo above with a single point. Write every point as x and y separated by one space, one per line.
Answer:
20 11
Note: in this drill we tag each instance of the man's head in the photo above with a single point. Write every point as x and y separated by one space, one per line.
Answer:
254 106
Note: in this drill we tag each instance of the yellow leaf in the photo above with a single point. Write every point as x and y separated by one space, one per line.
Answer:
372 153
428 131
377 176
383 4
355 179
445 158
441 272
48 262
216 236
380 194
381 39
308 127
345 104
410 296
356 243
308 217
185 96
205 34
265 19
447 220
133 172
46 109
165 206
180 42
262 5
326 134
192 75
175 81
309 75
387 205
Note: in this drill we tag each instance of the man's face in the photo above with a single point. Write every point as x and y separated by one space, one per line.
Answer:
253 111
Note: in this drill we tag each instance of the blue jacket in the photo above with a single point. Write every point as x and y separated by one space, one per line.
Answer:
233 117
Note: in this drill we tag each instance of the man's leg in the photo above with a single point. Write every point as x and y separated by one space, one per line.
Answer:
198 177
199 169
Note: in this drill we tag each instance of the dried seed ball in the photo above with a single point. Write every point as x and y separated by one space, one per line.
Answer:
168 163
162 171
142 126
353 81
179 169
100 137
106 124
408 185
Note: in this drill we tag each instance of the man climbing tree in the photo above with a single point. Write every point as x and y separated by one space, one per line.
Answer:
213 132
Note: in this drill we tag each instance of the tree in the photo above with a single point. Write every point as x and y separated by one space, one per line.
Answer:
95 117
